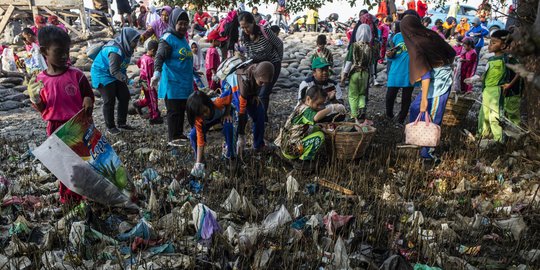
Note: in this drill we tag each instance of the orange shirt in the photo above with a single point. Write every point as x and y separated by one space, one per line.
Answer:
220 104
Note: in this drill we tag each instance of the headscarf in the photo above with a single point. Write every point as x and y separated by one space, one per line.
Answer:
363 34
158 25
247 79
264 71
39 21
176 15
124 40
426 48
367 19
197 58
53 19
152 16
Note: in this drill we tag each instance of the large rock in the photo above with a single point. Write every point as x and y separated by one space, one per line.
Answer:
10 105
16 97
284 72
12 80
20 88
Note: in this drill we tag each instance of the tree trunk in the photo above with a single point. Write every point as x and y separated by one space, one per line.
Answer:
527 49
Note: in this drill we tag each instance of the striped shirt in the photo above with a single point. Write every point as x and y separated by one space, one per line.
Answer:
266 48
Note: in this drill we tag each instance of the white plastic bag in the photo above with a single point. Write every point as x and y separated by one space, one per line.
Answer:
233 203
8 60
35 63
276 219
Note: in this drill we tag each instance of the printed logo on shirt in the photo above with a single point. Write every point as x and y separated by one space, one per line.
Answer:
185 53
70 89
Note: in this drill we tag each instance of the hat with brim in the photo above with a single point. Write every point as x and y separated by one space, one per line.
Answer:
214 35
319 62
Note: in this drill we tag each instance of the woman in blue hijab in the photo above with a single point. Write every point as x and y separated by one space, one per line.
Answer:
110 79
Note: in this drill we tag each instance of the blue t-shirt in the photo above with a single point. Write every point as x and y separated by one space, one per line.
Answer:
398 75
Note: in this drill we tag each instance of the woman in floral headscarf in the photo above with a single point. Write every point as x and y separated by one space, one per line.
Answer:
158 27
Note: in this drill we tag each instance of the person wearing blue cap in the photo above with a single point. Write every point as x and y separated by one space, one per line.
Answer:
477 33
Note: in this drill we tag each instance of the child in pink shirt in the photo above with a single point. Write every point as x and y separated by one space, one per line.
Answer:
146 66
29 38
468 60
385 32
61 91
459 45
212 58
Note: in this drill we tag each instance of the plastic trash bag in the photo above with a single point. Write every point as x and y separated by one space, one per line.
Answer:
35 63
395 262
292 187
247 238
150 175
341 258
233 203
143 229
333 221
205 221
276 219
8 60
515 224
83 160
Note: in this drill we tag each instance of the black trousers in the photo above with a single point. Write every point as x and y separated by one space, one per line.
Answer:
406 96
266 90
109 93
176 109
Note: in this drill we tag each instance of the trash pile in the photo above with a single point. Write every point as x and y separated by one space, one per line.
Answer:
467 213
11 82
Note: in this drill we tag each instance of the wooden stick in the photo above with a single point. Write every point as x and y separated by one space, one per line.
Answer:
81 35
334 186
5 19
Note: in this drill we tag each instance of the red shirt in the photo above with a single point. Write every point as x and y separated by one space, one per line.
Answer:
200 19
421 8
63 94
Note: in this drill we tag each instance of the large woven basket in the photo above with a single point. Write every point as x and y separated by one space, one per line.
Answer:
347 145
456 112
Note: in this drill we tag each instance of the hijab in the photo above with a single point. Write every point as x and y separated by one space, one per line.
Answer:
176 15
158 25
197 58
426 48
363 34
247 79
124 40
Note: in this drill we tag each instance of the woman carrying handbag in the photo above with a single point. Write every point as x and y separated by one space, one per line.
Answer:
430 62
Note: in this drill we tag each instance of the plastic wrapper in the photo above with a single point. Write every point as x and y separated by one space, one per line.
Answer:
35 62
276 219
83 160
341 258
205 221
292 187
333 221
233 203
8 60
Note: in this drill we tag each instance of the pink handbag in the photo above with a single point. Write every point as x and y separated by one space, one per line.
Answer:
423 133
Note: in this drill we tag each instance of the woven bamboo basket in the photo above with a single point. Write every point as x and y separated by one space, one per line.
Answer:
347 145
456 110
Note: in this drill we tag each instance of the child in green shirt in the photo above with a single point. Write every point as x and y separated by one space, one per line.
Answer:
501 92
300 138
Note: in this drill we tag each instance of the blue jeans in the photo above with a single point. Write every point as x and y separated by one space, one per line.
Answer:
227 131
256 112
436 107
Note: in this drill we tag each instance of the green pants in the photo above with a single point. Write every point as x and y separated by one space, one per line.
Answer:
358 93
311 145
488 119
511 109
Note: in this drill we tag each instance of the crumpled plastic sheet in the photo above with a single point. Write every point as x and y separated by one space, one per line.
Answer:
333 221
205 221
143 229
276 219
341 258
